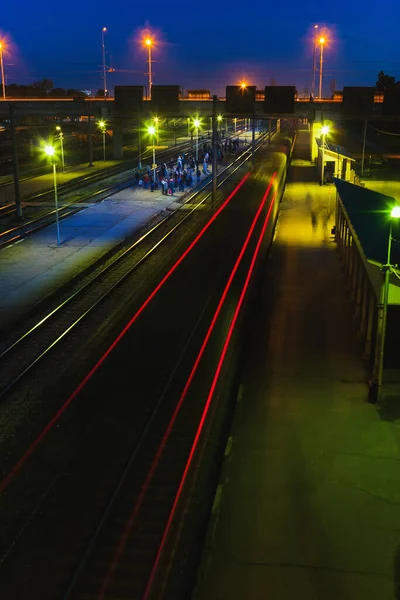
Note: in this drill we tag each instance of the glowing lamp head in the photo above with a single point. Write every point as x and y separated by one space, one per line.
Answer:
395 214
49 150
324 129
101 124
196 123
58 128
315 26
322 40
148 42
243 86
104 29
219 118
156 119
151 130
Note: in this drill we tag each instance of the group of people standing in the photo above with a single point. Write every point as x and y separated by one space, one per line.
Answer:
186 170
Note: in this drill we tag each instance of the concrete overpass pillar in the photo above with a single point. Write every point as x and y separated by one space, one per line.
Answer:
278 126
117 140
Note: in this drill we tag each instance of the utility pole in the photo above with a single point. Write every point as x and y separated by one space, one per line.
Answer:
253 139
214 152
90 140
17 190
363 148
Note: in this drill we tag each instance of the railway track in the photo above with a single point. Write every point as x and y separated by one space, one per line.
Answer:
125 175
42 337
124 550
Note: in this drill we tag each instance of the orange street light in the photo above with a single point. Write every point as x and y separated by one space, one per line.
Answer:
3 83
243 85
314 65
321 44
103 50
149 43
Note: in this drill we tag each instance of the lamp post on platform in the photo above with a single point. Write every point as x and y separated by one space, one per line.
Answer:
157 123
103 128
219 119
324 131
151 130
60 133
50 152
197 123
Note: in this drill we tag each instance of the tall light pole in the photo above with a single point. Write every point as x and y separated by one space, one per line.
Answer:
395 214
103 128
152 132
149 42
235 121
324 131
49 150
157 121
3 83
219 119
196 123
61 137
103 48
314 63
321 44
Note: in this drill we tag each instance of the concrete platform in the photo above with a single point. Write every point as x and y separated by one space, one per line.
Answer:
308 501
36 267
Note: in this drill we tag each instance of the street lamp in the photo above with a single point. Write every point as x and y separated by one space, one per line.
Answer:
243 85
219 119
61 137
103 49
324 131
157 121
51 153
149 42
314 64
386 269
103 128
321 44
3 83
151 130
197 123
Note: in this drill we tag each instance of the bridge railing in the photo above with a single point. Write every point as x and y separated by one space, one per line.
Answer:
362 286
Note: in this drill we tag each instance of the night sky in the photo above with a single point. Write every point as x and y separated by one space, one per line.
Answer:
197 47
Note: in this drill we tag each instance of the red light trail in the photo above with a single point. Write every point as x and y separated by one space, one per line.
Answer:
162 445
18 465
208 403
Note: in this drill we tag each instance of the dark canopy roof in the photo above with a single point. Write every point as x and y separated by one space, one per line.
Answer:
369 213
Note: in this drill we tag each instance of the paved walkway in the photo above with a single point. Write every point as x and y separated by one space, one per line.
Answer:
36 267
308 507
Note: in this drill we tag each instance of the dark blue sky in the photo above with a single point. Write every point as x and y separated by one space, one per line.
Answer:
210 47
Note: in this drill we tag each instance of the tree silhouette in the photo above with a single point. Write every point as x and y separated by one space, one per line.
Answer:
384 81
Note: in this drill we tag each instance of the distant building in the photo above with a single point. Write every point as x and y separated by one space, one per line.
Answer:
199 94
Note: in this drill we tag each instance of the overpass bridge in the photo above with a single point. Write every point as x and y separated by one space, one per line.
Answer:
129 106
353 103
